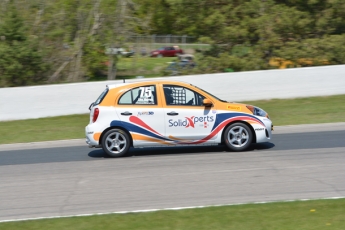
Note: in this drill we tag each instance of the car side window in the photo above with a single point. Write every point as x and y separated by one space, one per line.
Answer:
178 95
144 95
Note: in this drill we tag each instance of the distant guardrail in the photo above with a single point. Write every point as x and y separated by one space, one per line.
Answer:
65 99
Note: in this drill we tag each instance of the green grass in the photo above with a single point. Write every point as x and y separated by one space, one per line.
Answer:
149 46
142 66
304 110
44 129
306 215
282 112
131 67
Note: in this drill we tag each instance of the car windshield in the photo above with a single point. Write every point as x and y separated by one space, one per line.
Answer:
210 94
161 48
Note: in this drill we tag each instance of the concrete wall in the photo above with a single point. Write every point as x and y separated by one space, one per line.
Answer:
64 99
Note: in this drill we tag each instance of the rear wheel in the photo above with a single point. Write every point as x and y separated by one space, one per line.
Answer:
238 137
115 143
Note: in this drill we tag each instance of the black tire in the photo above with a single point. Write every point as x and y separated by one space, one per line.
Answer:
116 143
238 137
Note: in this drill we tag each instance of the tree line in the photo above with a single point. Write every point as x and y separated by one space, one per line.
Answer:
47 41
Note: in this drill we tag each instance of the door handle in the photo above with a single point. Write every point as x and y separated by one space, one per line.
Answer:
126 113
172 114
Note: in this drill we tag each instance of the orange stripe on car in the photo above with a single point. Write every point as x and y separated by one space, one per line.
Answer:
139 137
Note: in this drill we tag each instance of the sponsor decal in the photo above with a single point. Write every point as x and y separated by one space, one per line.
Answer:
234 107
191 121
145 113
259 129
89 132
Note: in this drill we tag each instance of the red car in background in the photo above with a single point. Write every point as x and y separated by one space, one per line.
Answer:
169 51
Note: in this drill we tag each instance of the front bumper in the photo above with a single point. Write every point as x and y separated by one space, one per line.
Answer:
264 135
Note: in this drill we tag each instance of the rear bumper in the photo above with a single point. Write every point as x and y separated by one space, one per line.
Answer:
89 136
90 144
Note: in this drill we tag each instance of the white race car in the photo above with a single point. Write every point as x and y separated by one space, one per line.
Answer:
169 113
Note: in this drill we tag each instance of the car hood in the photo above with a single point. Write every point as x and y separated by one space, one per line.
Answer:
236 107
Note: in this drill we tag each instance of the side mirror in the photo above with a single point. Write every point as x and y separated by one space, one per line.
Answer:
207 102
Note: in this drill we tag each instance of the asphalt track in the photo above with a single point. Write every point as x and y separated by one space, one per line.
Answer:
43 180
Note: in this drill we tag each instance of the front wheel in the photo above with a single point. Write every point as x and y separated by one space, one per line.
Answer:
238 137
115 143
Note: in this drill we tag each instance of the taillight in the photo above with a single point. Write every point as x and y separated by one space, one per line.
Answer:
95 115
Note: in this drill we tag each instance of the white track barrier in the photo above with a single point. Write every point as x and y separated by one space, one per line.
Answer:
65 99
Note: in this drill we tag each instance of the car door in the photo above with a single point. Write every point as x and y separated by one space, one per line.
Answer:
141 114
188 121
167 52
170 52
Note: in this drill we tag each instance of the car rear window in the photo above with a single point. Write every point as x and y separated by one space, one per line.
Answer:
144 95
101 97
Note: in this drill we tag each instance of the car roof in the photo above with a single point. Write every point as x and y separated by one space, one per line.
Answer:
133 84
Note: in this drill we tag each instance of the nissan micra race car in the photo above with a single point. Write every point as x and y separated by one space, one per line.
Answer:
168 113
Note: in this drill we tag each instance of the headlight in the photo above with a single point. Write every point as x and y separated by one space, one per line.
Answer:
257 111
